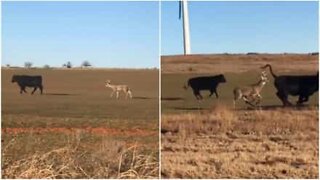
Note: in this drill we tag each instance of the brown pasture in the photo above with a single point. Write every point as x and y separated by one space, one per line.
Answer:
210 139
75 119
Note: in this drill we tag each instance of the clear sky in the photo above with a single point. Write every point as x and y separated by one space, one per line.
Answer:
240 27
107 34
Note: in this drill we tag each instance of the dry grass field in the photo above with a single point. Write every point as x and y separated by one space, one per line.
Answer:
210 139
75 130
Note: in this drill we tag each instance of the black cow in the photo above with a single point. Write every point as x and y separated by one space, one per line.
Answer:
28 81
302 86
209 83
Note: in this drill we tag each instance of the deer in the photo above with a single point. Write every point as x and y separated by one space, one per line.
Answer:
250 93
117 88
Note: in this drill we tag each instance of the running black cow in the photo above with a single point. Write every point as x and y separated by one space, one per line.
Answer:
302 86
209 83
28 81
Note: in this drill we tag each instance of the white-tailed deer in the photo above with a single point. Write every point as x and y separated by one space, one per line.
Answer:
250 93
117 88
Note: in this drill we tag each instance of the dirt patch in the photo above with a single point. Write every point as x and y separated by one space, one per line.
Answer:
97 131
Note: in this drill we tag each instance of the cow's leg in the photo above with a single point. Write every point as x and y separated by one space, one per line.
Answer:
200 95
41 88
217 96
34 89
211 92
284 98
302 99
280 96
195 93
23 89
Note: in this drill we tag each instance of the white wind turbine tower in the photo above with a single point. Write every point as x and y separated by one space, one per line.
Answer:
183 10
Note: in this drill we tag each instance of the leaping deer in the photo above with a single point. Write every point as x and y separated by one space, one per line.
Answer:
252 92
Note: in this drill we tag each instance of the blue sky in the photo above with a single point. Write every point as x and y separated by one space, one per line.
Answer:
107 34
240 27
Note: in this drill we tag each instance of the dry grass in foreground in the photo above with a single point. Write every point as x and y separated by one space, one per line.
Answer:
223 143
113 159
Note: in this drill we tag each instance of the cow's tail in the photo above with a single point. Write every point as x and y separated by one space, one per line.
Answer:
186 85
270 69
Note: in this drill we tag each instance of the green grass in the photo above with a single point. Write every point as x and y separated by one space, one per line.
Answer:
175 99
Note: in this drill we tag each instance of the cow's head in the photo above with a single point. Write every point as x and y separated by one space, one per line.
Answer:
14 78
222 79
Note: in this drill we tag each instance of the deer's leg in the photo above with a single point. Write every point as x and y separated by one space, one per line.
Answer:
247 101
237 96
259 97
129 93
117 94
112 93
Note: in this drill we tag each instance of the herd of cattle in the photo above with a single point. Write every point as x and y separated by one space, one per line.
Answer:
302 86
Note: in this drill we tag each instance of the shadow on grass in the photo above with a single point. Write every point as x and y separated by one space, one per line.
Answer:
59 94
189 108
277 107
141 97
171 98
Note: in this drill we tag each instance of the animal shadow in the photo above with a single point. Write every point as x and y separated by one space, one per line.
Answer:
59 94
277 107
189 109
171 98
141 97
